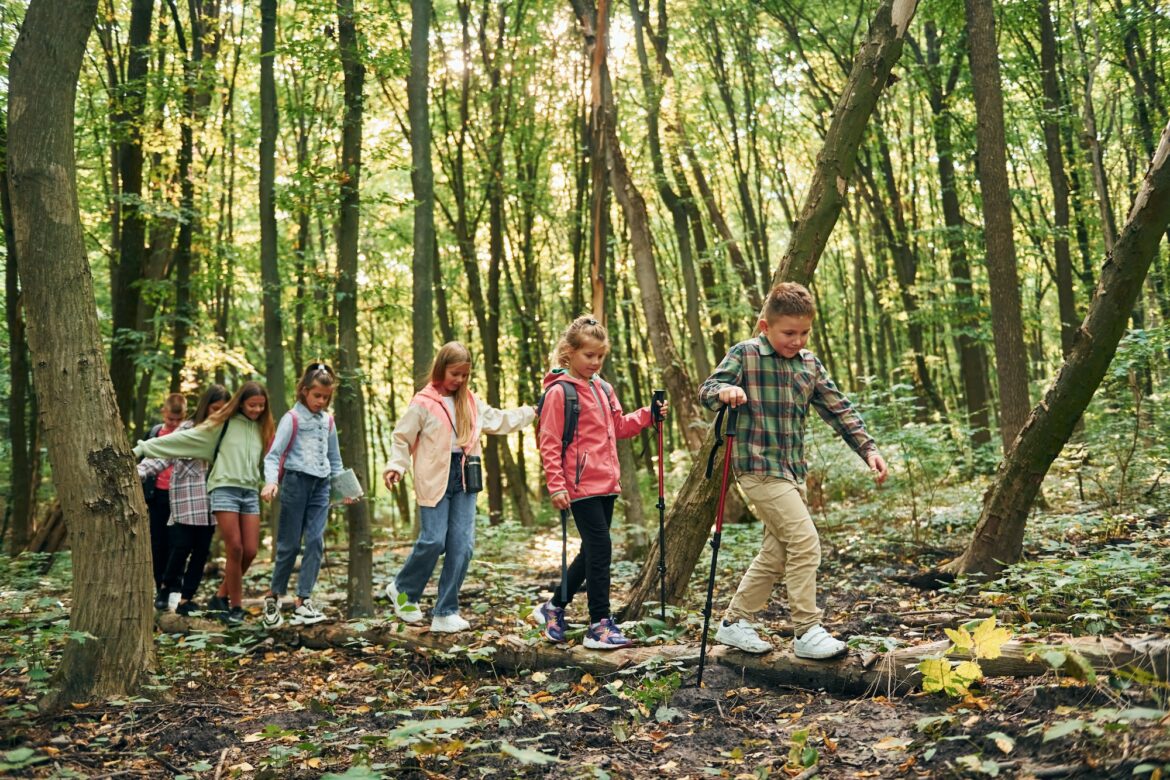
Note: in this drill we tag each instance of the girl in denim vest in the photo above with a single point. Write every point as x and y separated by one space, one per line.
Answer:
440 431
302 460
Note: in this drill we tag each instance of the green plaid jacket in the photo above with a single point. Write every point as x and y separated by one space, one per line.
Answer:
770 431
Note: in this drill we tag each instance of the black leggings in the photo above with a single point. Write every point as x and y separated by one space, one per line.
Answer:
591 566
190 545
159 509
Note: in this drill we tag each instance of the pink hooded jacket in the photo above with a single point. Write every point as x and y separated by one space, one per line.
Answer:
590 464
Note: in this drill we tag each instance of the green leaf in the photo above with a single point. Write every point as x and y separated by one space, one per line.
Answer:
1002 741
526 756
667 714
1063 729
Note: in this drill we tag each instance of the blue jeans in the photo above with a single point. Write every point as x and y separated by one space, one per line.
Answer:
304 510
447 528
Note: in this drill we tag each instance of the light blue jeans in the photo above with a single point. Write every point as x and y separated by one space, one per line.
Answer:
304 511
448 529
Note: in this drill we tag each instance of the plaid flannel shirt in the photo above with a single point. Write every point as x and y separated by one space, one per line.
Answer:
188 494
770 430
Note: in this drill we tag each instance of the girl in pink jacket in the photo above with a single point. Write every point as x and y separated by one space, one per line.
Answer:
440 431
584 475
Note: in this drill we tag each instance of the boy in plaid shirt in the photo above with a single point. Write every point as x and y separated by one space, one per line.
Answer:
779 380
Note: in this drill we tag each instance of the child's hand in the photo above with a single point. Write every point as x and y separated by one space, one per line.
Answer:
269 491
560 500
733 396
663 408
391 477
877 465
350 500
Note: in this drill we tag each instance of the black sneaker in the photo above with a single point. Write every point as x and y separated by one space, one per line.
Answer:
187 607
160 599
217 604
235 616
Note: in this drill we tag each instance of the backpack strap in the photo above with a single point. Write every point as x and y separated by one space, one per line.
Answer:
292 438
219 441
572 413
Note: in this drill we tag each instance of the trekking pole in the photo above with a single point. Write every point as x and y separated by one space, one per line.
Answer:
729 432
656 412
565 555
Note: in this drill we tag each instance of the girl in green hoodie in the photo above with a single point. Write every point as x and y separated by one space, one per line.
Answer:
234 441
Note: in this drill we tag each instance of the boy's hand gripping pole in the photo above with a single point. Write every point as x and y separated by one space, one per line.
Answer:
656 413
729 432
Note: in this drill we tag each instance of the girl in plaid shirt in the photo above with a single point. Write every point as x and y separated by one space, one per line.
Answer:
191 523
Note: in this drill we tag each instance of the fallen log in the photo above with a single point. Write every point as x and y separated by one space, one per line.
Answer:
857 673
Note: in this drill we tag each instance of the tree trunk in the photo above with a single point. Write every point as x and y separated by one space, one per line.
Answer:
1062 255
22 429
692 510
999 534
270 278
350 396
1011 358
128 269
972 355
422 181
92 467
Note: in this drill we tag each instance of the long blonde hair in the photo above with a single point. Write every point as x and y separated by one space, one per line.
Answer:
453 354
580 329
246 391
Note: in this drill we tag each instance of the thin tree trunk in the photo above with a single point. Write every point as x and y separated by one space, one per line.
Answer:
692 509
350 395
270 278
1011 358
92 466
999 534
422 180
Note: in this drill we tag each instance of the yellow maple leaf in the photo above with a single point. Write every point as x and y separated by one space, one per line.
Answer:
986 641
939 674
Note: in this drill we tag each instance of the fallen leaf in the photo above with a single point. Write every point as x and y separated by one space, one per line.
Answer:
893 743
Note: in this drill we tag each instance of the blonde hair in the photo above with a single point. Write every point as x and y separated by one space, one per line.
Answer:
788 299
453 354
574 337
246 391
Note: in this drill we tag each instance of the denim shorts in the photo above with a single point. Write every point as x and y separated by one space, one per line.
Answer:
244 501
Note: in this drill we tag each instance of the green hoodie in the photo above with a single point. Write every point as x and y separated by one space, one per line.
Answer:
239 458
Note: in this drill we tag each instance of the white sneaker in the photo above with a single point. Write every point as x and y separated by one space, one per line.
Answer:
406 610
306 614
271 617
743 635
817 644
173 599
448 624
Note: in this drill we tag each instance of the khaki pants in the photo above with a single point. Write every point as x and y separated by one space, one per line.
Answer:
791 551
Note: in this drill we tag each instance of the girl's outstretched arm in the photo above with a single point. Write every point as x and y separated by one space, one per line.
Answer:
404 439
504 421
627 426
198 442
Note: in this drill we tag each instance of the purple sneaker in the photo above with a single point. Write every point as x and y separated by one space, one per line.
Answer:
605 635
553 620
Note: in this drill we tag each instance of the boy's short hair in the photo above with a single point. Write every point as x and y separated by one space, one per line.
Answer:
788 299
176 403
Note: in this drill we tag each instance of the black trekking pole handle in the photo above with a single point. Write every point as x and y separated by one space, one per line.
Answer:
729 432
658 399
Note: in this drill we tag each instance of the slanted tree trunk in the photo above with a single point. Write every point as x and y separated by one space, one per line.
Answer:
422 181
692 510
1011 357
350 396
269 265
999 534
92 467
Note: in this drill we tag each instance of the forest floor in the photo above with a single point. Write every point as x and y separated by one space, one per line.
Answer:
245 704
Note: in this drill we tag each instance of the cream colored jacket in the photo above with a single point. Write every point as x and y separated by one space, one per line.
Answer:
423 434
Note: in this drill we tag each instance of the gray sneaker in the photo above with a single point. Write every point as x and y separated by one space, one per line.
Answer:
741 634
306 614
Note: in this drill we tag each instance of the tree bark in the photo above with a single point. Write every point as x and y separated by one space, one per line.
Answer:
422 181
999 533
692 510
92 467
350 395
1011 358
269 263
128 270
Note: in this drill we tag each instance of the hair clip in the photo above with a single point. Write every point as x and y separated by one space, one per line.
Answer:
591 321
